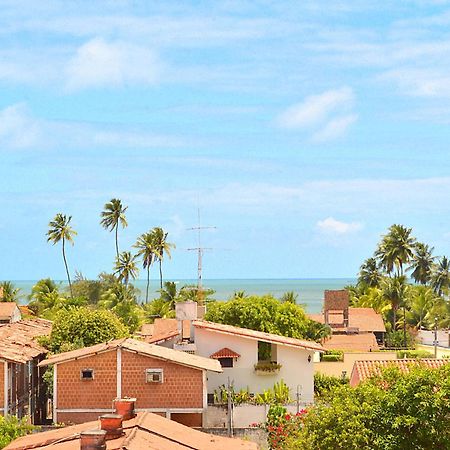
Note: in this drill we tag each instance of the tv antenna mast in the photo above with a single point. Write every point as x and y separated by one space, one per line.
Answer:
200 250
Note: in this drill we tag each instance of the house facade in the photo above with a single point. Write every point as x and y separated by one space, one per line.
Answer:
22 390
9 313
255 360
164 381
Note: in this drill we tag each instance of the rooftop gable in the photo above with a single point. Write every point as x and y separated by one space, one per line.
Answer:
7 309
257 335
143 348
147 430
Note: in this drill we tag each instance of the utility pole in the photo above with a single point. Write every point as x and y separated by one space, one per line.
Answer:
200 250
435 337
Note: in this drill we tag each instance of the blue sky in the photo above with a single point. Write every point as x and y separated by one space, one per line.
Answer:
302 130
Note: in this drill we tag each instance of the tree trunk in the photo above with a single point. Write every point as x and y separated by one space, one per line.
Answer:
160 273
394 317
117 241
67 268
404 326
148 283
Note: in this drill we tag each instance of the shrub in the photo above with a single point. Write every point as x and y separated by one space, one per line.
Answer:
11 428
414 354
332 355
323 384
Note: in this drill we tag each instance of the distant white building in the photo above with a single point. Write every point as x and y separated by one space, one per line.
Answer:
426 337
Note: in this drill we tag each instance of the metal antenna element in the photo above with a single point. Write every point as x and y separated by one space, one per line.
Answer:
200 250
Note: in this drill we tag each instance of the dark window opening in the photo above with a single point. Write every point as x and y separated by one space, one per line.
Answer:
226 362
87 374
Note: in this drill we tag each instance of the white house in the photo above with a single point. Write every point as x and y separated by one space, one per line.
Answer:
9 313
250 359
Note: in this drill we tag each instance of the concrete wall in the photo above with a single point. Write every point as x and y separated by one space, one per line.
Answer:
295 370
336 368
426 337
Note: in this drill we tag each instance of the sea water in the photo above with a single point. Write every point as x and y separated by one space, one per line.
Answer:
309 291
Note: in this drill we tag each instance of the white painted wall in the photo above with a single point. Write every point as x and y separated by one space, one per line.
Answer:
427 337
295 370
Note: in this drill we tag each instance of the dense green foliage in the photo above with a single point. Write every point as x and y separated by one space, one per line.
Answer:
383 285
414 354
324 384
268 314
11 428
81 327
9 293
395 411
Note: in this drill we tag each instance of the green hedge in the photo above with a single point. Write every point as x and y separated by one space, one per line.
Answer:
414 354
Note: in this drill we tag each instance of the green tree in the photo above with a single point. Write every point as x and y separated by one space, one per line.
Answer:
422 263
393 411
369 273
81 327
440 279
290 297
158 308
8 292
162 248
125 267
420 301
394 291
112 215
11 428
60 230
267 314
146 250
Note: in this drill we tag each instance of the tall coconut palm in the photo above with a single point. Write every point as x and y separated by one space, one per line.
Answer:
162 248
146 247
421 300
60 230
125 267
112 215
394 291
440 279
422 263
396 249
369 273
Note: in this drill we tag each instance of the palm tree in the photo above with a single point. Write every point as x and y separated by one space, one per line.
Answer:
114 213
369 273
8 292
169 293
394 291
125 267
440 279
422 263
60 230
162 247
145 244
421 300
396 248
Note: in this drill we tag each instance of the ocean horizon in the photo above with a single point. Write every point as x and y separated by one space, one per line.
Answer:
309 290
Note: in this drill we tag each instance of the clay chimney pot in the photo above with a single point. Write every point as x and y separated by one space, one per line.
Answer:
93 440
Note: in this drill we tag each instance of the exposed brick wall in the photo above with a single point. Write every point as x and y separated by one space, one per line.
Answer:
97 393
190 420
336 300
182 387
70 418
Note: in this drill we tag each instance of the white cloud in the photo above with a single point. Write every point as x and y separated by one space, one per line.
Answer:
316 108
100 63
18 129
334 129
333 226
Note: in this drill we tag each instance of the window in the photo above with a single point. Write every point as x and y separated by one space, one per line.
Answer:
226 362
87 374
154 375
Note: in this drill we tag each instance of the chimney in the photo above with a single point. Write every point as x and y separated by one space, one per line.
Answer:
125 407
93 440
185 313
112 424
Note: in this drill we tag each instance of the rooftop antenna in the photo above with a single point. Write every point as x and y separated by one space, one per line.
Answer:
200 250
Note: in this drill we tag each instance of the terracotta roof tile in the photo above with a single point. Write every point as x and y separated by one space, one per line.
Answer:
365 319
158 338
366 369
142 348
351 342
257 335
146 431
18 340
161 326
225 353
7 308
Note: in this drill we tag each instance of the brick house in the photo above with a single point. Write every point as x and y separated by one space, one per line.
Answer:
22 391
165 381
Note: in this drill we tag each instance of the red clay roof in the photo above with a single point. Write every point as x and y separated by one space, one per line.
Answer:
257 335
351 342
158 338
133 345
7 308
18 340
366 369
225 353
146 431
365 319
